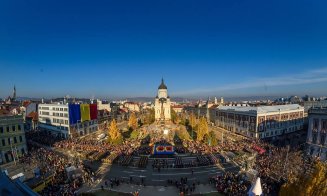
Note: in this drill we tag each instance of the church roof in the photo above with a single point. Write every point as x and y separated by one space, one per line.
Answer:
162 85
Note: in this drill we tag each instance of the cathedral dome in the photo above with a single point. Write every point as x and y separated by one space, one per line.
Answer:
162 85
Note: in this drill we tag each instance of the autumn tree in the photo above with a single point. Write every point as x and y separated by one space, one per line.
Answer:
183 120
310 183
132 122
150 117
202 129
182 133
192 121
114 133
173 115
211 139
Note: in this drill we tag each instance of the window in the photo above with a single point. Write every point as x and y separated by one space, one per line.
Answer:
1 129
20 138
322 138
7 129
315 124
314 137
65 109
15 140
324 125
3 142
19 127
9 141
14 128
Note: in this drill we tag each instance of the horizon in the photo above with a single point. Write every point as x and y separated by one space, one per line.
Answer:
118 49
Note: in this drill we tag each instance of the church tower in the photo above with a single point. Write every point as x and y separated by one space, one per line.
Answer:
162 104
14 94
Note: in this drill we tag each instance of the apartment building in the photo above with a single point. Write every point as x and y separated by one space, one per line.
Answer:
65 120
12 138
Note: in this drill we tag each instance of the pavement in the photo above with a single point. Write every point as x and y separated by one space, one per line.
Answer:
157 190
155 178
155 181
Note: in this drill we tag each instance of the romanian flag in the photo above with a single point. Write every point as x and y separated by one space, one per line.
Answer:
93 111
85 112
74 113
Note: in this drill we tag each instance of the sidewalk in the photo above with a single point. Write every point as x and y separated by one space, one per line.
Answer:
157 190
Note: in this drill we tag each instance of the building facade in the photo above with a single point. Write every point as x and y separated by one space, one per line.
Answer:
55 119
12 138
162 104
262 121
317 133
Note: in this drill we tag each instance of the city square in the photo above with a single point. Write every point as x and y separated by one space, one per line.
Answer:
163 98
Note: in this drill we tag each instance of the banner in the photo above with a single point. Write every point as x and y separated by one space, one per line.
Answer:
85 112
93 111
74 113
159 149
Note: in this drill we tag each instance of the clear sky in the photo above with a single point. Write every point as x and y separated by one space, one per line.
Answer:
122 48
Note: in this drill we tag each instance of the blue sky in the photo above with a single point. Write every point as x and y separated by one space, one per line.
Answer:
123 48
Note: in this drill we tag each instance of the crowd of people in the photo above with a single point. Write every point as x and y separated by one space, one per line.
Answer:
230 184
51 166
272 163
184 186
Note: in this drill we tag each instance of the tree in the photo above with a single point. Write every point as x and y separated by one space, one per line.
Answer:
132 122
182 133
114 133
173 115
150 117
192 121
312 183
202 129
183 120
135 134
211 138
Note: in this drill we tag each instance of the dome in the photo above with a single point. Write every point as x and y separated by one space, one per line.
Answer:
162 85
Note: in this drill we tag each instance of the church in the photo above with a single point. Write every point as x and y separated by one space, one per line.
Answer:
162 104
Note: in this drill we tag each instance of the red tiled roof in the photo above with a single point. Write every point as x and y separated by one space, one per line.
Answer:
26 103
177 106
33 115
4 112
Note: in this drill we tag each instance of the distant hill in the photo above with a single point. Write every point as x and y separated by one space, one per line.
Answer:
28 98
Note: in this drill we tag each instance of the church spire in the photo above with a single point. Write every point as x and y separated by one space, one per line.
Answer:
14 93
162 85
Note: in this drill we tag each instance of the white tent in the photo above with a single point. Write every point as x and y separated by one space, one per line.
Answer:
255 188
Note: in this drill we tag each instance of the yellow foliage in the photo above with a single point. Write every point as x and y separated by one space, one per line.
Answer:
132 122
113 130
314 183
192 121
202 129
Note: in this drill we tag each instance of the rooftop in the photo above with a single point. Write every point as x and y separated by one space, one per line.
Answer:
262 109
318 110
